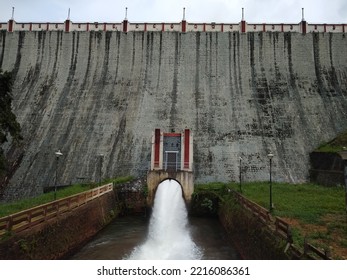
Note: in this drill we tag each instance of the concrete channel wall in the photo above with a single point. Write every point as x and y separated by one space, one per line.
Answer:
61 235
259 235
241 94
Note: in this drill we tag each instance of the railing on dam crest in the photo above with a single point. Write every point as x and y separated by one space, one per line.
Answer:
183 26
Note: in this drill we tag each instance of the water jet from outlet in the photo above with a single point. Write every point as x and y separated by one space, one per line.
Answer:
168 234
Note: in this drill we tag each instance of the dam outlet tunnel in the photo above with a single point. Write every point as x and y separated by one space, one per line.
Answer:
171 158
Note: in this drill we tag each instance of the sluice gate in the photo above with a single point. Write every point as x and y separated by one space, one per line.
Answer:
171 158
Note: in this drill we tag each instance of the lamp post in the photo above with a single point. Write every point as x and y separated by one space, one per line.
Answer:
345 171
270 156
58 154
343 155
240 174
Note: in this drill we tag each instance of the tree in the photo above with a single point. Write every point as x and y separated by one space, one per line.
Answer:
8 122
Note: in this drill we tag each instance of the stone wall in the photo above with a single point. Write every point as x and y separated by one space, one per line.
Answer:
242 95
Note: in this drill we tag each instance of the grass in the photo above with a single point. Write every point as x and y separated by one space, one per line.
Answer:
20 205
214 186
336 145
314 212
307 202
119 180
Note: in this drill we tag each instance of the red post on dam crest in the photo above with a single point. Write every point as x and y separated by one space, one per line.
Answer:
303 27
184 26
243 26
156 147
10 25
67 25
186 148
125 25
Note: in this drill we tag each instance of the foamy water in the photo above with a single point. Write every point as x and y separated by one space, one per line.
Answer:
168 237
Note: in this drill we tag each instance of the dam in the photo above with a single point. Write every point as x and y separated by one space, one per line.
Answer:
243 91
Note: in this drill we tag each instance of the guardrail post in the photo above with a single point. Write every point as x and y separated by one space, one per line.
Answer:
327 253
29 217
289 236
305 247
58 208
45 212
9 223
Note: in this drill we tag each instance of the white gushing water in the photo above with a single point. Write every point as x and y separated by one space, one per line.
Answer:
168 237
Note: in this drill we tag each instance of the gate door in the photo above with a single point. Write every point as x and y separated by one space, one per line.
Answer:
171 164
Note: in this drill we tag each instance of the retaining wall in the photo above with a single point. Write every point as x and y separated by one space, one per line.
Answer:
61 236
258 235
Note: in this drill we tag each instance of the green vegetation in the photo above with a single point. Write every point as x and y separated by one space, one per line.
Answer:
8 122
334 146
313 212
17 206
206 199
118 180
306 202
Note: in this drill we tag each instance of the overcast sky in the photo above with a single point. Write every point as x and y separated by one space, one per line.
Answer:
226 11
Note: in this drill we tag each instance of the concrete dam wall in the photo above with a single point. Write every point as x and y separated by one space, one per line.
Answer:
241 94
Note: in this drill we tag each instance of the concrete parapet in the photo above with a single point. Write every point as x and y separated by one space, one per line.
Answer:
183 26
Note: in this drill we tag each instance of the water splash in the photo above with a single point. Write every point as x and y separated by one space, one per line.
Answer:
168 237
